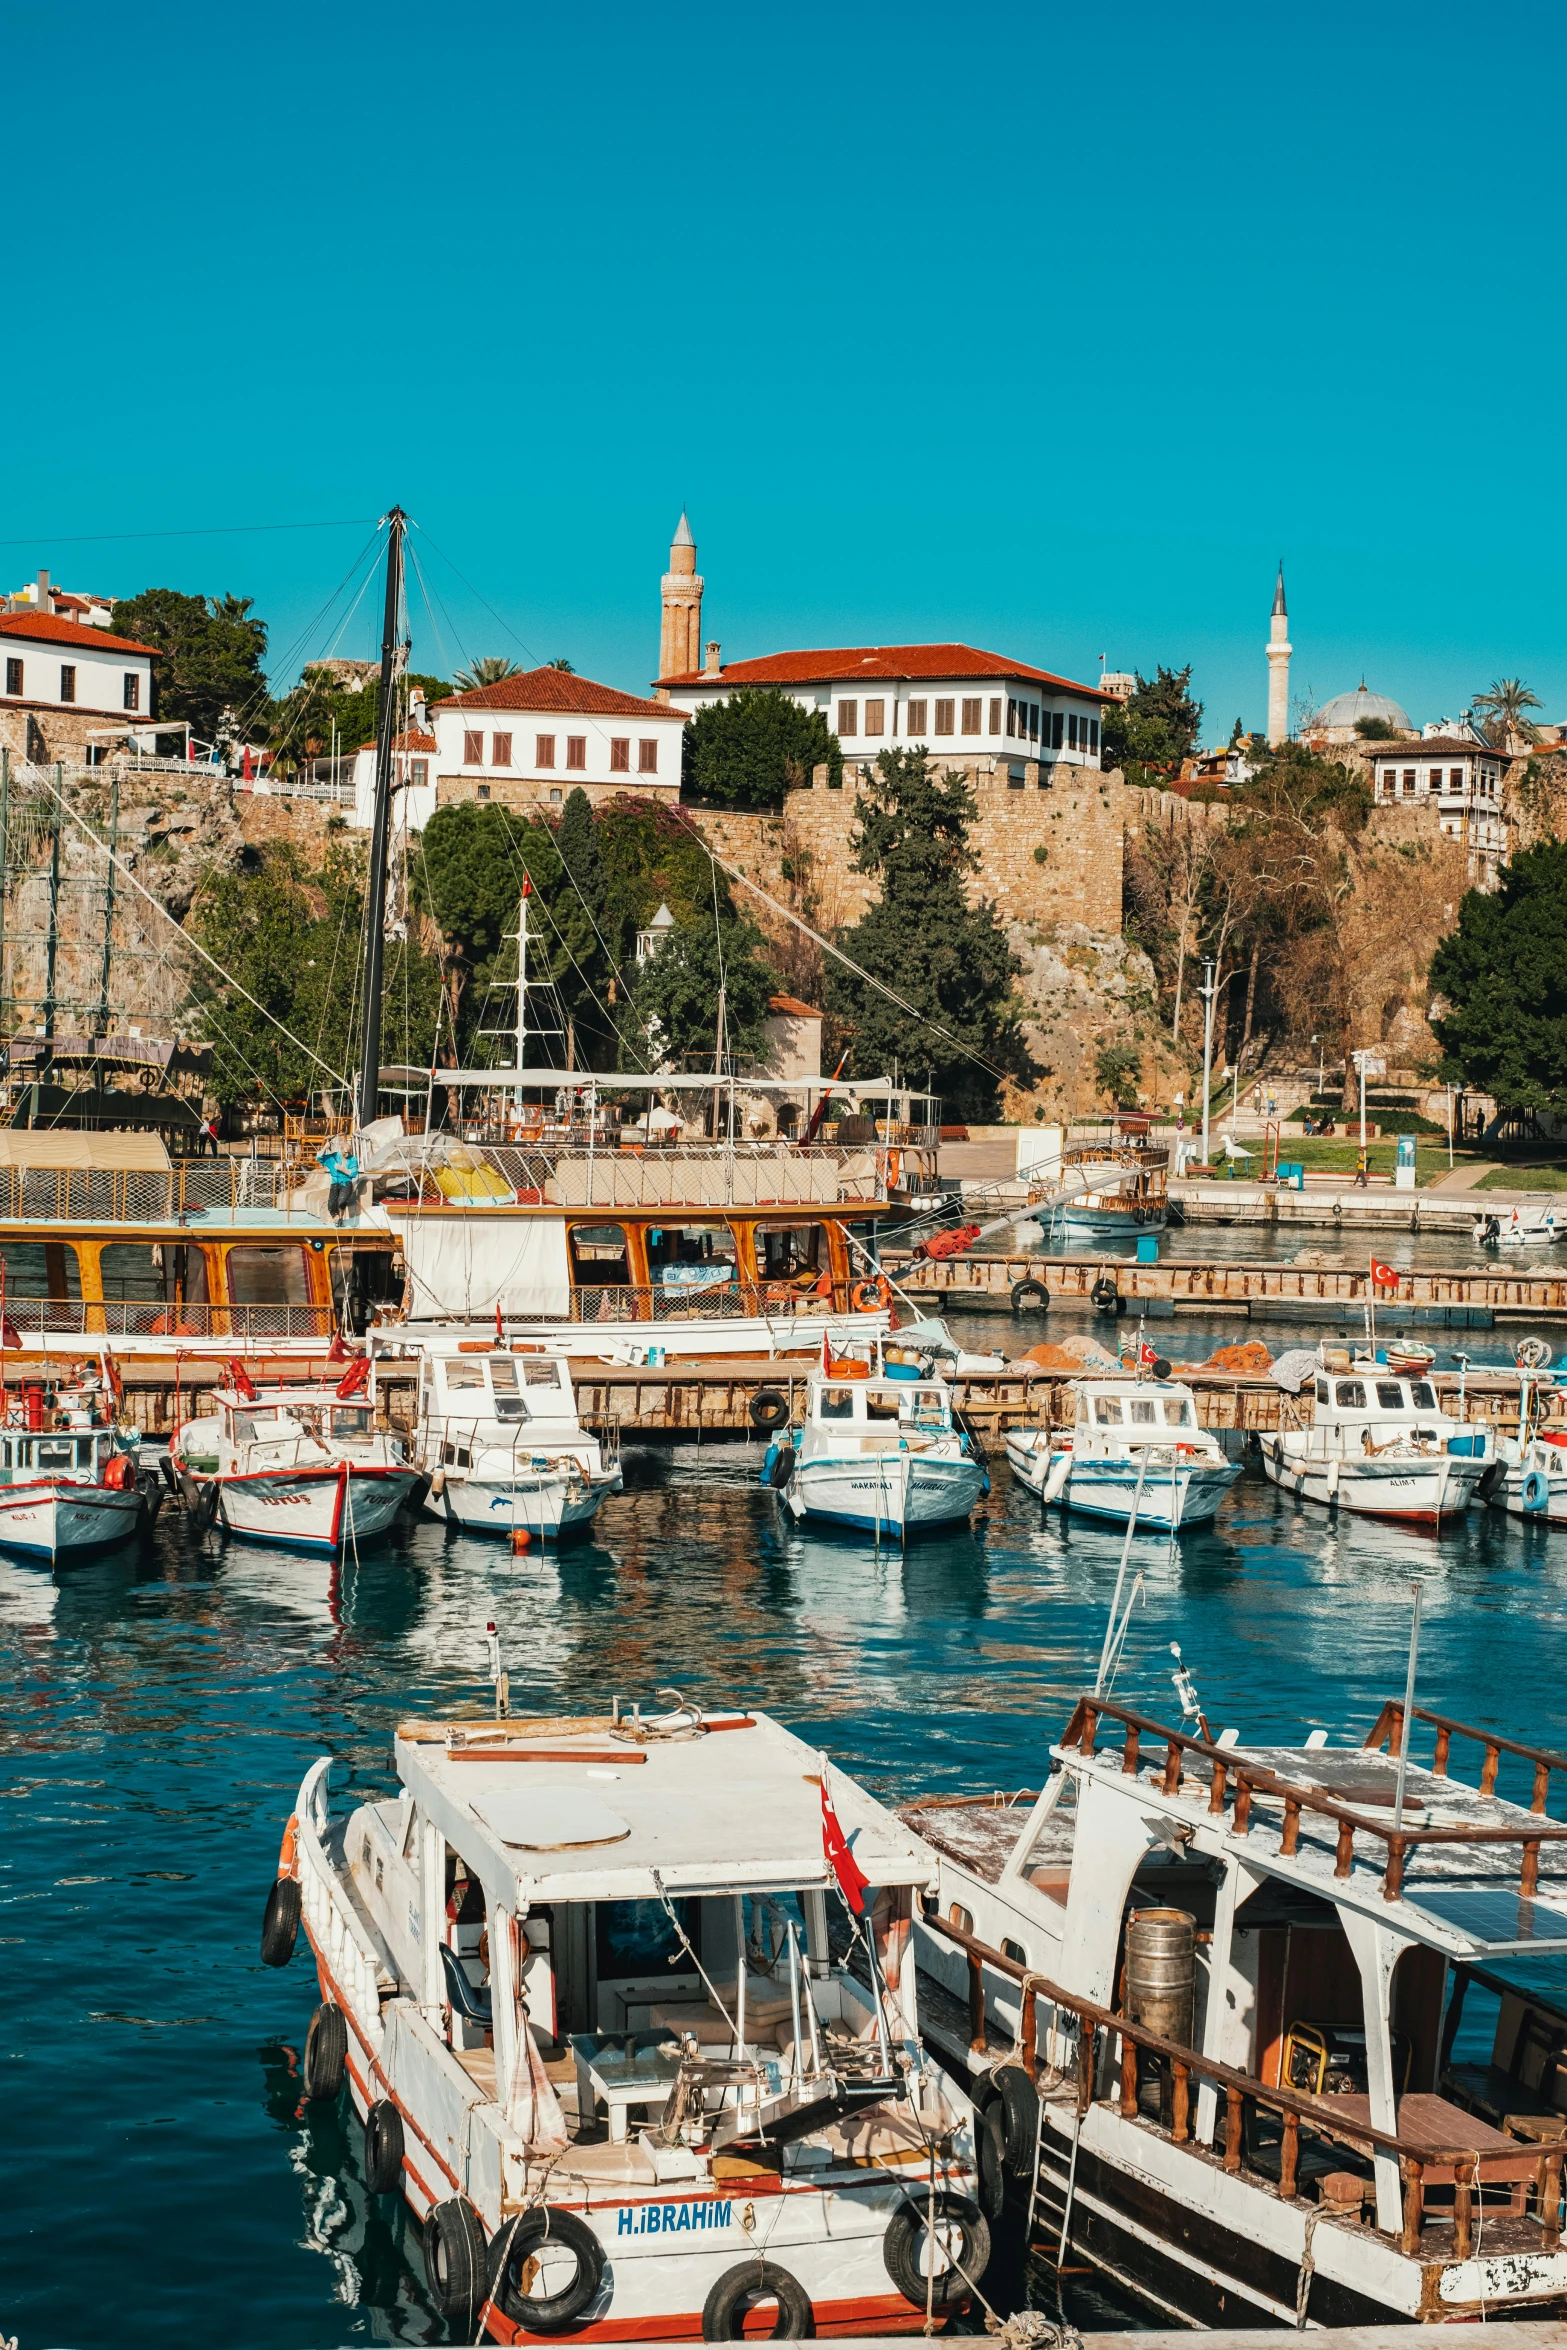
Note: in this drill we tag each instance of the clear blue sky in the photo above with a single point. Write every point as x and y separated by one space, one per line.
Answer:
1045 328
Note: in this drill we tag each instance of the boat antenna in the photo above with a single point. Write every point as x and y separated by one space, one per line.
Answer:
375 898
1417 1589
498 1673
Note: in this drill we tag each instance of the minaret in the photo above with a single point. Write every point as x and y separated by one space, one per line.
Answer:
1279 650
680 645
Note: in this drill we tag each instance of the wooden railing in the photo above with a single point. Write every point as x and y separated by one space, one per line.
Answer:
1243 2094
1229 1769
1387 1730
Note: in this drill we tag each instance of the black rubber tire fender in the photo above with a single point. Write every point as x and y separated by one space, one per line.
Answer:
782 1469
280 1922
383 2148
204 1508
768 1408
326 2052
990 2151
456 2263
1029 1296
724 2310
1105 1297
514 2244
1161 1366
972 2255
1017 2102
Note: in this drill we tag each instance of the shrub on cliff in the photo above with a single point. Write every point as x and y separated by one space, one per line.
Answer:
1503 974
924 941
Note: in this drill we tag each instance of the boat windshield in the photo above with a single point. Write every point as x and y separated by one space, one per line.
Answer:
48 1455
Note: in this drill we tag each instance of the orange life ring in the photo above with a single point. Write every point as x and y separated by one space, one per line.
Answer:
871 1297
288 1851
894 1169
119 1474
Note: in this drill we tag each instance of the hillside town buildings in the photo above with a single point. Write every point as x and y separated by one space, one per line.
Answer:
71 690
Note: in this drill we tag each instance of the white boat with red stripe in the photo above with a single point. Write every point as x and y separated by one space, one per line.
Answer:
304 1466
626 2007
70 1479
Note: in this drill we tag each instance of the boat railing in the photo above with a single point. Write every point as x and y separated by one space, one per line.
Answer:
1236 1782
766 1176
1103 2036
351 1966
1388 1730
718 1300
189 1190
76 1317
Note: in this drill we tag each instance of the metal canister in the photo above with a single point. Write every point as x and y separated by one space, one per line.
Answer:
1161 1946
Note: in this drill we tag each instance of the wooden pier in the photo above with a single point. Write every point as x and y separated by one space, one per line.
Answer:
1509 1292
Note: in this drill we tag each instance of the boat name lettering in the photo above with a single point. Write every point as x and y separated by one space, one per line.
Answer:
663 2219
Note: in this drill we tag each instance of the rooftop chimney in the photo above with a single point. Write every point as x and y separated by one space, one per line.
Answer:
714 665
45 599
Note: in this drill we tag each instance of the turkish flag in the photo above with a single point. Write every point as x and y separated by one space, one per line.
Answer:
835 1846
1383 1276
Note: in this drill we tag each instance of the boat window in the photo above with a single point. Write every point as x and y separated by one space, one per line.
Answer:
1422 1395
1107 1411
635 1937
42 1269
461 1374
536 1372
1351 1396
791 1252
1390 1395
600 1256
268 1277
1177 1412
145 1282
879 1405
1144 1412
961 1918
243 1426
352 1423
691 1256
58 1452
503 1375
837 1404
1014 1951
1322 1392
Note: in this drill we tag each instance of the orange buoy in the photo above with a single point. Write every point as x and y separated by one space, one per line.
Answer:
521 1539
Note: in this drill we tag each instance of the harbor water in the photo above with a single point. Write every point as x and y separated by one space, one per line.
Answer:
163 1704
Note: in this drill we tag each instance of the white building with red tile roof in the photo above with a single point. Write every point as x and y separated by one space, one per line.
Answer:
531 739
67 686
979 711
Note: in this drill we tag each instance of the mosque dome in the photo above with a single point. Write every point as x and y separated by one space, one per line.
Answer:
1344 710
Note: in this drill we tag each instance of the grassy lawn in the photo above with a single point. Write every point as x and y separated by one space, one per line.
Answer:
1340 1158
1524 1178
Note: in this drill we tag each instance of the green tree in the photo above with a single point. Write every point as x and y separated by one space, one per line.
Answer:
291 938
321 710
748 750
924 940
677 992
211 676
1376 730
1116 1071
1501 712
1503 975
490 669
1150 733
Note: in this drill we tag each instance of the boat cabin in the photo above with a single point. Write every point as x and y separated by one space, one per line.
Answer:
877 1415
1319 1915
1369 1406
1115 1417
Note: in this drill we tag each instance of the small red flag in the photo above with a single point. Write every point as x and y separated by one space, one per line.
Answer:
835 1846
1383 1276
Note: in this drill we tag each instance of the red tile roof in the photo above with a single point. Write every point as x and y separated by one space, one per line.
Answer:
1428 746
413 740
792 1003
46 628
875 662
558 691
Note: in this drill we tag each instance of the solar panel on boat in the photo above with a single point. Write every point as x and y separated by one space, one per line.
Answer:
1494 1917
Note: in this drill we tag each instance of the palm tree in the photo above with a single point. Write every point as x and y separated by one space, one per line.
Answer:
1501 712
570 667
492 670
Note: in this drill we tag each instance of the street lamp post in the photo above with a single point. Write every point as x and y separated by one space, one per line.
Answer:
1207 991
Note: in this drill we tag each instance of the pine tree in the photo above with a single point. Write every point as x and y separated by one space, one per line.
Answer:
924 939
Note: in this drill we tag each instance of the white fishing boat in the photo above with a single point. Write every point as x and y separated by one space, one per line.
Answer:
1134 1449
1380 1444
301 1466
578 1980
1531 1226
880 1453
70 1479
1211 1990
499 1440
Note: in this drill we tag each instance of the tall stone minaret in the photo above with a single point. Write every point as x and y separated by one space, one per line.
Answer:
1279 650
680 645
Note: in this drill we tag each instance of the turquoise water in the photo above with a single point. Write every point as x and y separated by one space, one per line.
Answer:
163 1706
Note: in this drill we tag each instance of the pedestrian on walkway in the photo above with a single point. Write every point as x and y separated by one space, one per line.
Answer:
1360 1169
